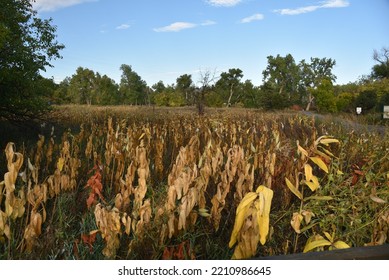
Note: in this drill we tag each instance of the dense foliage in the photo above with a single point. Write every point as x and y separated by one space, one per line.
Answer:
27 45
286 84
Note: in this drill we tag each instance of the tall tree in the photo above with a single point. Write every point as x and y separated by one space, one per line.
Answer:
27 46
283 74
83 86
132 88
312 75
107 90
325 98
381 70
230 81
184 84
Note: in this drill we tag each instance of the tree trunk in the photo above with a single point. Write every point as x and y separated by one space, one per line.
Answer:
311 98
230 97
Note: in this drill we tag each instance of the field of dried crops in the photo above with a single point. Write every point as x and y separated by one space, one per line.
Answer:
152 183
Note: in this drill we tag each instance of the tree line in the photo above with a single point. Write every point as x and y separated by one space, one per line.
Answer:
307 85
28 45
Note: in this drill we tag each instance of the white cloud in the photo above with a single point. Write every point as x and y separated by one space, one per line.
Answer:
123 26
308 9
175 27
223 3
52 5
208 22
335 4
252 18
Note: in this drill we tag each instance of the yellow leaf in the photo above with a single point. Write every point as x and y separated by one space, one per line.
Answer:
307 216
327 152
60 163
143 134
339 172
313 184
319 162
243 206
341 245
329 237
328 141
263 214
321 198
296 221
308 172
293 189
302 150
204 212
315 244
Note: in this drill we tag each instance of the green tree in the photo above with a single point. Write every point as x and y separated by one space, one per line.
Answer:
62 94
270 97
229 83
184 85
107 92
312 75
250 95
381 70
83 86
132 89
27 46
324 96
283 75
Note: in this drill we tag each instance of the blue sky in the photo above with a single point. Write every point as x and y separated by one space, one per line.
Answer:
163 39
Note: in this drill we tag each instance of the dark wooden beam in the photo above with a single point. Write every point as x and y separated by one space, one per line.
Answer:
358 253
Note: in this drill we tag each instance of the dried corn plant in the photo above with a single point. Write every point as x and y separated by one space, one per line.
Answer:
251 222
181 188
235 158
108 222
14 205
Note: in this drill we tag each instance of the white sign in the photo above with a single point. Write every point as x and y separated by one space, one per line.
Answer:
386 112
359 110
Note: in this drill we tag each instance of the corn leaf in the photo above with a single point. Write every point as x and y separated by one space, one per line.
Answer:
341 245
60 163
308 172
263 214
293 189
315 244
319 162
302 150
328 141
329 237
243 206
